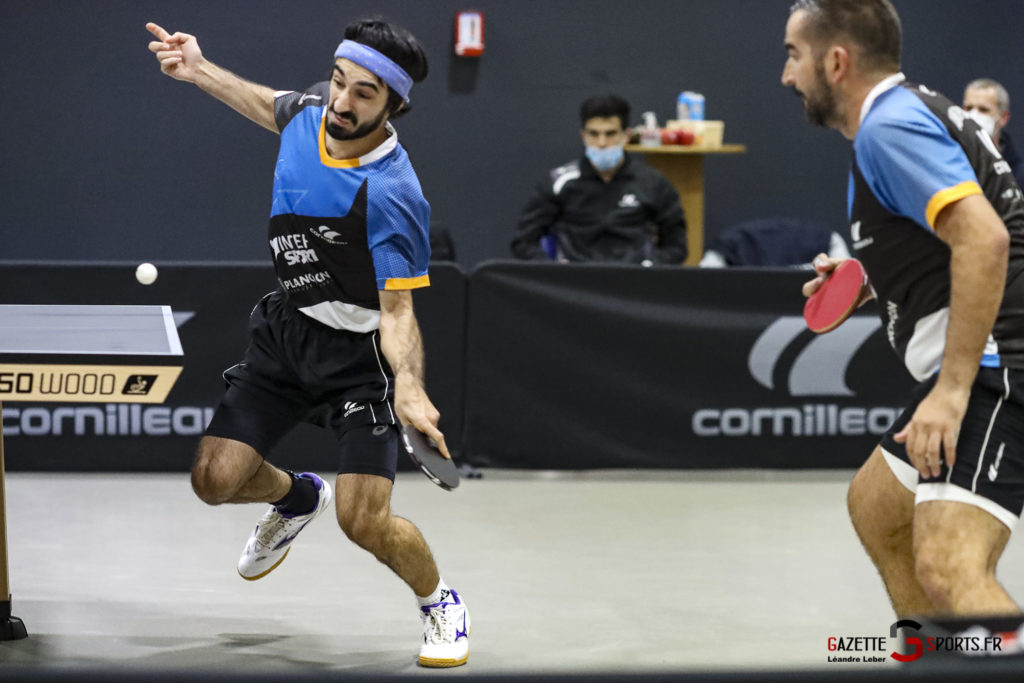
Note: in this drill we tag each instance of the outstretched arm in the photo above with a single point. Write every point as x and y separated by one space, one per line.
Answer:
402 345
180 58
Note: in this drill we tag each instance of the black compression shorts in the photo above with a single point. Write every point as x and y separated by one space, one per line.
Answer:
298 370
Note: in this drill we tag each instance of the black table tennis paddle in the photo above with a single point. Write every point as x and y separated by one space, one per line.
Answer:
425 454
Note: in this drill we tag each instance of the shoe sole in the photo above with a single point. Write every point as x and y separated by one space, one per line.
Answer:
442 663
446 663
260 576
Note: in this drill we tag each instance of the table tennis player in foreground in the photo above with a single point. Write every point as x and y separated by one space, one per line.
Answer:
338 344
938 223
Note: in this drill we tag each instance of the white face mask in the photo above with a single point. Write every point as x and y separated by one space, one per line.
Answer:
987 123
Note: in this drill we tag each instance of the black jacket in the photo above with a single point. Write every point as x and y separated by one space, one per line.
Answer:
1012 157
634 217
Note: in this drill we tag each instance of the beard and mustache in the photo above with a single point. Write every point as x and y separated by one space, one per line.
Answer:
358 131
820 104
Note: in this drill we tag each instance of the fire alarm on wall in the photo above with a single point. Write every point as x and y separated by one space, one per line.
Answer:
469 34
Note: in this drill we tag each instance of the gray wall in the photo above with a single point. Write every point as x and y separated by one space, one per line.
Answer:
105 158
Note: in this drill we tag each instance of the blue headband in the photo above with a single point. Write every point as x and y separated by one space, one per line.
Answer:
378 64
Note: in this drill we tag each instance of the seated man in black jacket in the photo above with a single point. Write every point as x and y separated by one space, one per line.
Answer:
605 206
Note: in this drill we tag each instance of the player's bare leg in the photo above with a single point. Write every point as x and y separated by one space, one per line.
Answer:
229 471
957 547
882 512
363 505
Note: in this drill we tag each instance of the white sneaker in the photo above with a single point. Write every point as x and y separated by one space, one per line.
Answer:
446 630
274 533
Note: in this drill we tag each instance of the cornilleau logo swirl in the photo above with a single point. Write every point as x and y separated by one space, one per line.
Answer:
820 368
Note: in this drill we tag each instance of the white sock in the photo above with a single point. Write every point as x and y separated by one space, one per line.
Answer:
440 593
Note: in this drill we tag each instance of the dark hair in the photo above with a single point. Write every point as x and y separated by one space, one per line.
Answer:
605 106
398 45
872 25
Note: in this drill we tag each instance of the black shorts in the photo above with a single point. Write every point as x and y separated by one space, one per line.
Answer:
989 468
298 370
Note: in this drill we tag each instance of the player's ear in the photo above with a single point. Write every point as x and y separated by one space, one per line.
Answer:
396 109
837 63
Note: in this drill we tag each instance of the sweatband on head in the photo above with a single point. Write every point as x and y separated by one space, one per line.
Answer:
378 64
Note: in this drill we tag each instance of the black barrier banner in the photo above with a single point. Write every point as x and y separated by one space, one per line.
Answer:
211 303
581 366
563 367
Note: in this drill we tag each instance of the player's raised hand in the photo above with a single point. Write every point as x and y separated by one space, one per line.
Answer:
179 54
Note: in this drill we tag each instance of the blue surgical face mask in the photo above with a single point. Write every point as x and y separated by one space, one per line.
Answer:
604 159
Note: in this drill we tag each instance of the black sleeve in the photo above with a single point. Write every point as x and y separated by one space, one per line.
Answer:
535 221
288 104
671 223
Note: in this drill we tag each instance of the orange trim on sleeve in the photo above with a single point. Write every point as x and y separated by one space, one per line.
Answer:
407 282
944 198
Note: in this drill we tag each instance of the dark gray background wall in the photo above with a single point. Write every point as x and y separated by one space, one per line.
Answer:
103 157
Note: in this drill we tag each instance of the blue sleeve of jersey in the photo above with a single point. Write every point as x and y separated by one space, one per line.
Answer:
911 163
400 240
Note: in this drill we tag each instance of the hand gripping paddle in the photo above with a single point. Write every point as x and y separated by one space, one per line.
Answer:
837 297
425 454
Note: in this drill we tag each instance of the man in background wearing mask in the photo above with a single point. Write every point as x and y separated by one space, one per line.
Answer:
988 103
605 206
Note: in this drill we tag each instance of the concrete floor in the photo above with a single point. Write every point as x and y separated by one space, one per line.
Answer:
597 572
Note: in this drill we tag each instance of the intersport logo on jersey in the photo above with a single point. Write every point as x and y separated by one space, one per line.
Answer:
808 379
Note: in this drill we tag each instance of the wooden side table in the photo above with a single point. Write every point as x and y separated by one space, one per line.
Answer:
684 167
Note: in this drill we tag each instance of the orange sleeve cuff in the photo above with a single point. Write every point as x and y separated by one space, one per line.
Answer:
407 282
950 195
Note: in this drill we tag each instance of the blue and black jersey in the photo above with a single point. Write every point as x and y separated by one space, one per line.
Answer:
341 230
916 153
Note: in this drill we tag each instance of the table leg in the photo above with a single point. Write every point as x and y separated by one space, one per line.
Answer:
11 628
686 173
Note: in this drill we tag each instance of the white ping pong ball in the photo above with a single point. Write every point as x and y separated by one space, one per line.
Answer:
146 273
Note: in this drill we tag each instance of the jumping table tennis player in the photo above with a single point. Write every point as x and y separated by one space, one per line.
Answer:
337 344
938 222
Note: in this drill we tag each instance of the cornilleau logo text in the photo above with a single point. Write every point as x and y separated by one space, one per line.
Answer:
818 370
817 419
112 419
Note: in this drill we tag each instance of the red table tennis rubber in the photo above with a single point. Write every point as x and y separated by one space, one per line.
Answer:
837 298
